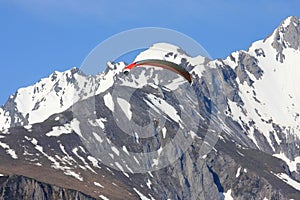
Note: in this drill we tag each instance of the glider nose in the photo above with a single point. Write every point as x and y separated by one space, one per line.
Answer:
126 72
127 69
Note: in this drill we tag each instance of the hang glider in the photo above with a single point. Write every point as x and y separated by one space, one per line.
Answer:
162 64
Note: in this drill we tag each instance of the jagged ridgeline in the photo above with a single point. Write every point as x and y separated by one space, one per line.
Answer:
247 105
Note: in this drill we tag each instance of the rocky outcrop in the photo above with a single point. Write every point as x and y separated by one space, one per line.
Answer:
20 187
239 148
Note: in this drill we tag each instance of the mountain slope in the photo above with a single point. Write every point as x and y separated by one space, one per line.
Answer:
16 187
239 118
269 99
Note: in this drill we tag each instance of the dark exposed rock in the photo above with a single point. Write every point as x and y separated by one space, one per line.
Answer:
241 162
20 187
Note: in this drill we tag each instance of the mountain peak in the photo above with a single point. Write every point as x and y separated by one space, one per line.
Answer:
241 114
291 20
161 51
287 35
288 27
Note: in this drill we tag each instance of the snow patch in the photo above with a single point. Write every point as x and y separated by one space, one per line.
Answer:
107 80
125 106
59 130
125 150
75 124
163 106
108 101
154 162
98 184
121 169
103 197
74 174
150 173
115 150
288 180
193 135
98 122
164 132
136 160
149 183
238 172
136 136
94 161
98 138
28 127
291 163
8 150
227 195
142 197
75 151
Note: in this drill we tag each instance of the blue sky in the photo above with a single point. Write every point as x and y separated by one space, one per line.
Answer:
38 37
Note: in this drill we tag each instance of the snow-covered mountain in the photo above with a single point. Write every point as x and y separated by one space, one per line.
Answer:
269 105
50 95
35 103
239 118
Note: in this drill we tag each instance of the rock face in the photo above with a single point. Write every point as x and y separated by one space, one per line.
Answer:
20 187
286 36
233 133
